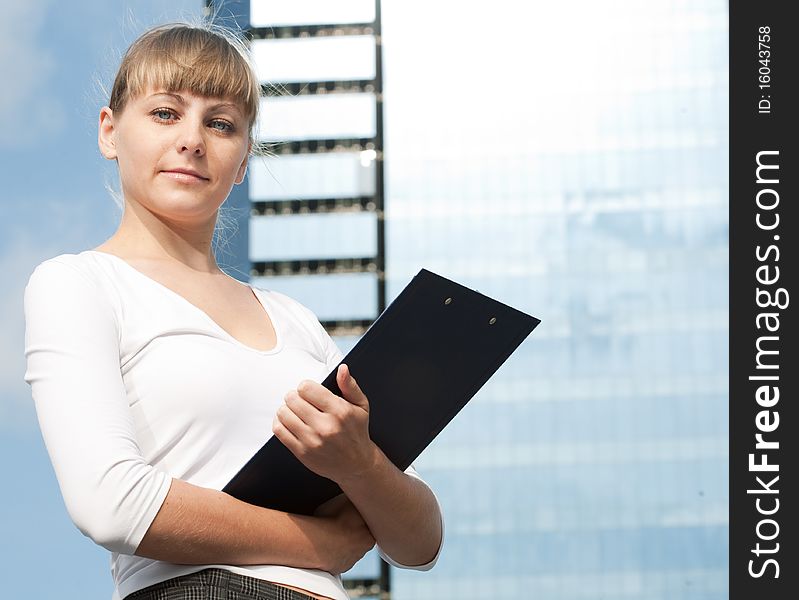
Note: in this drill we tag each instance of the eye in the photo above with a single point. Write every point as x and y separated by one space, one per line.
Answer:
163 114
221 125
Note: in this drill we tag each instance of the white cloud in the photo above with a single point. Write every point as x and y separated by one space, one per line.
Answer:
25 69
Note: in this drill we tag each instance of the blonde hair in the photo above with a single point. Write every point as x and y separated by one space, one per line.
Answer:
205 59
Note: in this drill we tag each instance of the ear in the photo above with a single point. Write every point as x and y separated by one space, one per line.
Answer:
243 166
106 134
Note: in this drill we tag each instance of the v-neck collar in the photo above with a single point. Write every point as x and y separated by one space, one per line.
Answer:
261 300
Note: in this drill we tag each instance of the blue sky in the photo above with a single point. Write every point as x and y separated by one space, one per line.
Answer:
54 58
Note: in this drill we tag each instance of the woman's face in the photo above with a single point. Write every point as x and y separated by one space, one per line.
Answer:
179 154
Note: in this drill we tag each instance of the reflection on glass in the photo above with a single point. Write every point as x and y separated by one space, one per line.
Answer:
298 237
579 174
328 116
315 59
309 12
344 296
323 175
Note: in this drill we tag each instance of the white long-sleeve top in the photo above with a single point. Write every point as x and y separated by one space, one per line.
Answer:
134 385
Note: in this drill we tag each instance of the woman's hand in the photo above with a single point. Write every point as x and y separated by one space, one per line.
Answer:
327 433
330 435
350 538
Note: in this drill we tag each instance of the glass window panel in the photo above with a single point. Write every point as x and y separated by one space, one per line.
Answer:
297 237
604 215
346 343
323 175
367 567
317 117
309 12
315 59
344 296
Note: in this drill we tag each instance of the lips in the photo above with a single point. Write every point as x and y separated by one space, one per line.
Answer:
183 174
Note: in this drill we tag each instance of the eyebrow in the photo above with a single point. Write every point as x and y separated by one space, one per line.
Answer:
182 100
177 97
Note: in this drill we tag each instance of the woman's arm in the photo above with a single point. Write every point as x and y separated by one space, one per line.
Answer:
197 525
111 493
400 510
330 435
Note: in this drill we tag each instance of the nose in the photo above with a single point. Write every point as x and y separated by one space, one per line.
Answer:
191 139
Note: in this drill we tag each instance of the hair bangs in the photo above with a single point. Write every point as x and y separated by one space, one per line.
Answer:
182 58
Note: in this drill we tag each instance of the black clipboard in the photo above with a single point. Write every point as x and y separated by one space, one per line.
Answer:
419 363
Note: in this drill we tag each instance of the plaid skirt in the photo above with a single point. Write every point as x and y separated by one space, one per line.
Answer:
216 584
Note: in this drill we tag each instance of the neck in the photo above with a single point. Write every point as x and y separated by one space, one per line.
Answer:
143 234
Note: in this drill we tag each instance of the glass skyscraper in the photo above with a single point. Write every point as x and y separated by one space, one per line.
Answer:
569 159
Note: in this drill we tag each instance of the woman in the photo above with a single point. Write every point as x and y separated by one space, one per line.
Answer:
156 376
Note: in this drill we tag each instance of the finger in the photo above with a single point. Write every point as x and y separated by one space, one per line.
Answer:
285 436
318 396
350 389
294 425
306 411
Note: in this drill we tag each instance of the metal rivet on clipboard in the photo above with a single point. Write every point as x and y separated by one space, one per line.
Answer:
492 320
448 301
